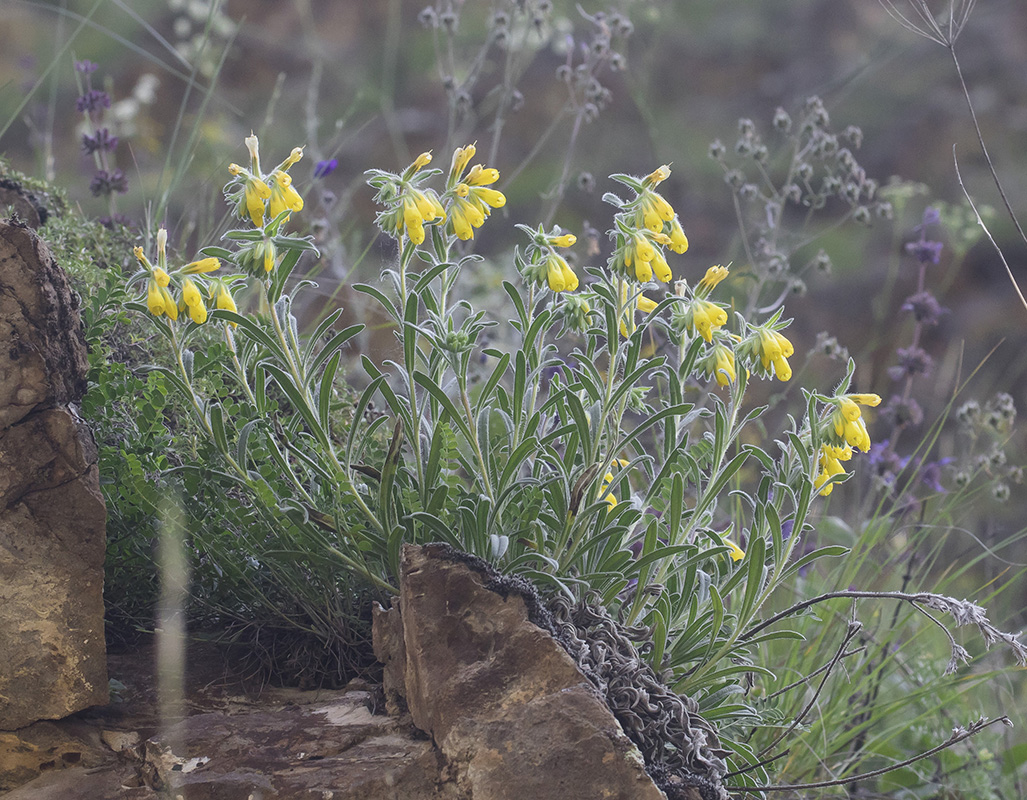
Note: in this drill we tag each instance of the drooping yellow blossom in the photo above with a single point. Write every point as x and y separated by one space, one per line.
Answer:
283 196
465 217
559 275
225 301
736 552
268 252
255 192
161 277
829 465
703 317
713 276
720 364
678 240
774 349
194 301
170 306
203 265
190 294
154 298
653 211
847 422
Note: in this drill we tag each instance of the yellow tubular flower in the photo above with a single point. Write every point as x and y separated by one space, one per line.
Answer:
721 363
657 176
162 244
203 265
154 298
225 302
413 221
461 158
190 294
706 316
293 157
678 240
198 313
559 275
141 257
660 267
422 160
566 240
481 176
847 422
270 255
829 465
736 552
643 248
161 277
465 216
775 349
170 306
713 276
283 196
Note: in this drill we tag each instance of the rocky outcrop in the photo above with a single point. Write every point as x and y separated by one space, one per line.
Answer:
510 712
52 514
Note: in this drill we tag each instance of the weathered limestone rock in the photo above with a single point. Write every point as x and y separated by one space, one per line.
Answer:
503 701
52 514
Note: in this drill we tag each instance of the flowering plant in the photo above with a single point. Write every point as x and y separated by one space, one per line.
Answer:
599 443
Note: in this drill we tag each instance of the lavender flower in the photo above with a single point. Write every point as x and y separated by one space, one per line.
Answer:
924 250
105 183
902 412
912 361
85 66
101 141
325 168
93 100
925 307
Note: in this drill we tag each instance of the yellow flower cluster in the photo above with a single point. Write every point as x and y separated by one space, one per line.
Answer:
159 281
473 200
847 420
774 350
653 212
844 430
264 195
829 465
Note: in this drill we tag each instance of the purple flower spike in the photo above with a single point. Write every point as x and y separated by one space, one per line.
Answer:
101 141
931 217
105 183
93 100
325 168
925 251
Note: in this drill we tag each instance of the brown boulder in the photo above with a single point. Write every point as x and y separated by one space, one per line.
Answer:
52 513
506 705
